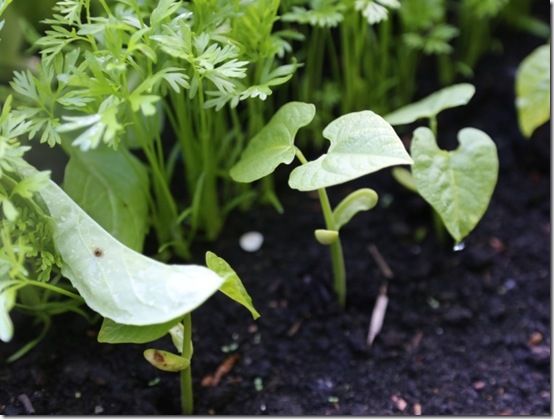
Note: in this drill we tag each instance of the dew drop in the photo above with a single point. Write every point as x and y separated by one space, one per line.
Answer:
458 247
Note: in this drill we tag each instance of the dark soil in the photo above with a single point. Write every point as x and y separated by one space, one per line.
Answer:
466 332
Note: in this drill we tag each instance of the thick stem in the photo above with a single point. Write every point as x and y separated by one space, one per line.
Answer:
337 257
187 400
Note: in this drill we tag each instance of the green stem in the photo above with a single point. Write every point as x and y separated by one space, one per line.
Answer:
187 400
53 288
337 257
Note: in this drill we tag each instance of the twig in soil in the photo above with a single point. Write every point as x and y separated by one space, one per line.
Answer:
380 261
224 368
378 315
415 341
26 402
293 330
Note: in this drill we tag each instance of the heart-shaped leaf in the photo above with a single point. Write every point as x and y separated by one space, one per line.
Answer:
274 144
115 281
458 184
533 90
360 200
361 143
430 106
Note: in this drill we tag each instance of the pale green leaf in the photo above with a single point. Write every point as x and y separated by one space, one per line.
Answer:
326 237
360 200
405 178
274 144
112 332
166 361
232 286
114 280
361 143
112 187
458 184
430 106
533 90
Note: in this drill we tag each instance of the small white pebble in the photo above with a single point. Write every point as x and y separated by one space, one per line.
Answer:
251 241
98 409
77 394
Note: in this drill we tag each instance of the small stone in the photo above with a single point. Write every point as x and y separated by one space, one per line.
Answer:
399 402
78 394
98 409
417 409
251 241
479 385
535 339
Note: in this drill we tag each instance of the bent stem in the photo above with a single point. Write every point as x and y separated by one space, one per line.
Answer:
337 257
187 401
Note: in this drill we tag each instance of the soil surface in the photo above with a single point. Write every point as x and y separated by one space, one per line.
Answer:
466 332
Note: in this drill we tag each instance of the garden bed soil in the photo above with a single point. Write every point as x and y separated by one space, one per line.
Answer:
466 332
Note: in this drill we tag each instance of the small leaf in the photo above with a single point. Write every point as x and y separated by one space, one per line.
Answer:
166 361
360 200
458 184
361 143
177 334
10 212
112 187
274 144
533 90
232 286
114 280
326 237
405 178
112 332
430 106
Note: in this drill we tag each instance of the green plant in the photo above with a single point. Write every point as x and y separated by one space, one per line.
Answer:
533 90
457 184
140 298
361 143
112 80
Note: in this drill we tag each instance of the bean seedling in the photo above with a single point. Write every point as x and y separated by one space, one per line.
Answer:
361 143
457 184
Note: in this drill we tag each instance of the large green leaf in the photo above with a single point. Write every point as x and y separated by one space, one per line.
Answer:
112 332
458 184
232 287
361 143
114 280
533 90
430 106
112 187
274 144
360 200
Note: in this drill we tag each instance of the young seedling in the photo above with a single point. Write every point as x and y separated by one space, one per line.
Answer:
361 143
140 298
533 90
457 184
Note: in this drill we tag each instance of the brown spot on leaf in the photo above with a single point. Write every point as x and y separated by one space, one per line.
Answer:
98 252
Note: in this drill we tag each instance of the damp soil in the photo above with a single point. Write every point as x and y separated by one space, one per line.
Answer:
466 332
